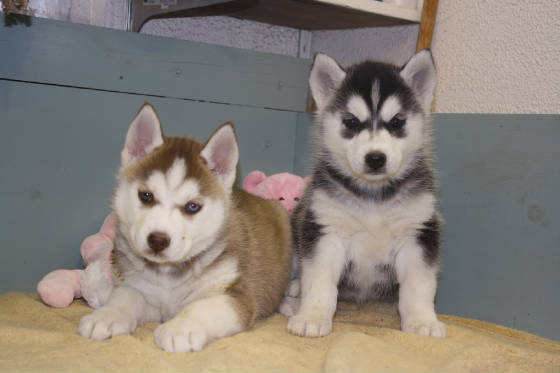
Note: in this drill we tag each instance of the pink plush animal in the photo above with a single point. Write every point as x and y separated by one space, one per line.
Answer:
285 187
60 287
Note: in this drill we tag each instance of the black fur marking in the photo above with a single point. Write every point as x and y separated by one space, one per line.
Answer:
396 131
360 80
388 288
306 231
419 178
348 133
361 77
429 239
343 282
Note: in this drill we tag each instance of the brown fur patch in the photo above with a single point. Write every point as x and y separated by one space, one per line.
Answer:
260 237
162 158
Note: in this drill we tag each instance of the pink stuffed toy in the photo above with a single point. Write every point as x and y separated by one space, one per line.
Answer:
60 287
285 187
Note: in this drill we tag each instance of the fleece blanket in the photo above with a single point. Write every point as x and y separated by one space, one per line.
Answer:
35 337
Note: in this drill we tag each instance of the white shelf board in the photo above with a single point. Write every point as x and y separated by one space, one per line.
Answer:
377 7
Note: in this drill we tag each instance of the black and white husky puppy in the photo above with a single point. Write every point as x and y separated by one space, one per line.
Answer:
368 225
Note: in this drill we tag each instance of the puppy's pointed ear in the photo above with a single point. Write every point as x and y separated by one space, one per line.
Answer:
420 75
325 77
222 154
144 134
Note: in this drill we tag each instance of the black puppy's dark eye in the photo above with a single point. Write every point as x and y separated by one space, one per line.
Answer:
146 198
281 199
351 122
192 208
296 199
396 122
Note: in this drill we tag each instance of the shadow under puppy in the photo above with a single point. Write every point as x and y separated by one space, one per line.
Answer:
191 250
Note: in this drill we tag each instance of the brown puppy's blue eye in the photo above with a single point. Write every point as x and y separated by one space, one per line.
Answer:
146 198
192 208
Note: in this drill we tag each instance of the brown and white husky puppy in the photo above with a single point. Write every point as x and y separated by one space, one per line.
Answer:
191 250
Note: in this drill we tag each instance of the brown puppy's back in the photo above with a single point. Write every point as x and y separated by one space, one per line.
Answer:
260 237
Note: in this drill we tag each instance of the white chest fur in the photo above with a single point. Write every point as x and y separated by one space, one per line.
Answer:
170 292
371 233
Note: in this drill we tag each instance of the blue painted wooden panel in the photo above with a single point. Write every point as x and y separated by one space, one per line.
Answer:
84 56
59 153
303 150
500 178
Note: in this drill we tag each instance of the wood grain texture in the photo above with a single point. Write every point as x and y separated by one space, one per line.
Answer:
427 24
54 52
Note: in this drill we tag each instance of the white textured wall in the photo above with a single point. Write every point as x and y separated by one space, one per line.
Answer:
105 13
394 44
230 32
214 30
499 56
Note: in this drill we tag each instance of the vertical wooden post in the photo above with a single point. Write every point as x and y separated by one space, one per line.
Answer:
427 24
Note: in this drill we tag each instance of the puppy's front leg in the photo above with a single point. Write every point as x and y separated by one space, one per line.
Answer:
417 289
123 312
199 323
320 273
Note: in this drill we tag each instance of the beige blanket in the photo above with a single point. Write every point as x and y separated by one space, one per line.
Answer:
365 338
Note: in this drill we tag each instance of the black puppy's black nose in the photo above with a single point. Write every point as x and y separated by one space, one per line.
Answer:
376 161
158 241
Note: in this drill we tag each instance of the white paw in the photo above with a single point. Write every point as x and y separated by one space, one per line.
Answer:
309 325
422 326
105 323
293 288
181 335
289 306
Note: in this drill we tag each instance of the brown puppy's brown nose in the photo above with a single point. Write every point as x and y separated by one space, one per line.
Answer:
158 241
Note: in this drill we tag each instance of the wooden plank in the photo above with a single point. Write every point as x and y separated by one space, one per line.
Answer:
77 55
303 151
59 152
427 25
